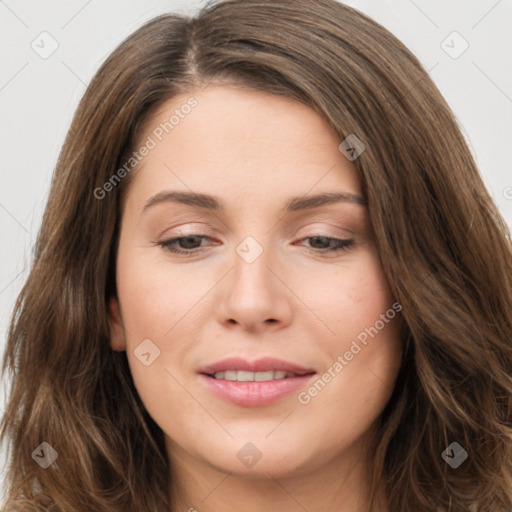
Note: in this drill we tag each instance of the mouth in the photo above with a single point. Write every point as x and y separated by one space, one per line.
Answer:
237 368
257 383
245 376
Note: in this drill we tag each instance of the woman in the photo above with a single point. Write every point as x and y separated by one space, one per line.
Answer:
269 276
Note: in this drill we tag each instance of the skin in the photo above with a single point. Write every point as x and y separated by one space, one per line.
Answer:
254 151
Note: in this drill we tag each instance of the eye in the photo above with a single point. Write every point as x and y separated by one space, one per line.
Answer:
183 245
191 244
326 244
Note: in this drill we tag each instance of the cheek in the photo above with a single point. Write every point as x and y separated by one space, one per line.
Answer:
150 309
158 303
364 352
351 297
153 294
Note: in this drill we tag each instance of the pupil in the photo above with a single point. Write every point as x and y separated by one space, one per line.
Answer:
188 242
321 238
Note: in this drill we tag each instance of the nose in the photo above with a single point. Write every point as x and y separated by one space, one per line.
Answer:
255 296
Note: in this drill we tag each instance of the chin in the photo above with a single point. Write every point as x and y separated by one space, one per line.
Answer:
258 459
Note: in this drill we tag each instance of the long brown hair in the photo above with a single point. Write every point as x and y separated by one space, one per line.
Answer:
444 247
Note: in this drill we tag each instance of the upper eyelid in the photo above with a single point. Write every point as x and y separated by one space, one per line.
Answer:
178 236
304 218
310 225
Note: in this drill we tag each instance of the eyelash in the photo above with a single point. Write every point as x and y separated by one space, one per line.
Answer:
342 245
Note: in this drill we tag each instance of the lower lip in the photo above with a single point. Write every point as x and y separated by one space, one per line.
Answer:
255 394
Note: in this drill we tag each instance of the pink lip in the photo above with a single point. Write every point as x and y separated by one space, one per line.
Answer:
254 394
264 364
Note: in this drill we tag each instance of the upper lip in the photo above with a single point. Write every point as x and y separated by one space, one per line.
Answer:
264 364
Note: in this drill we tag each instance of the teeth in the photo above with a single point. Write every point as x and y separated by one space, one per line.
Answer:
264 376
243 376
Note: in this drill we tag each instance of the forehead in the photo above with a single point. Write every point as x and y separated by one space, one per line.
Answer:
240 144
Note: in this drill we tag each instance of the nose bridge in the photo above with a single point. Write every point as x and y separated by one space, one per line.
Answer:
253 294
251 272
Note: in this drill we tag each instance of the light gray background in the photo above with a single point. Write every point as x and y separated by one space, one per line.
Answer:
39 95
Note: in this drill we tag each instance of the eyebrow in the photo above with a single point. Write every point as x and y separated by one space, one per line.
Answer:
215 204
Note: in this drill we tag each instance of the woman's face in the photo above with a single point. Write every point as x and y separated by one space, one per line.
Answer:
262 338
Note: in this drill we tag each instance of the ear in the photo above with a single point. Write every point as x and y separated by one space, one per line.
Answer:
117 336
